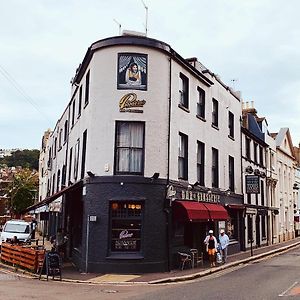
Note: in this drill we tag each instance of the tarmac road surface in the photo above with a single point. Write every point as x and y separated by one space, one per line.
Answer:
268 278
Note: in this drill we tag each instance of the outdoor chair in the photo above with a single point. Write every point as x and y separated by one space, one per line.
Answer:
185 259
197 258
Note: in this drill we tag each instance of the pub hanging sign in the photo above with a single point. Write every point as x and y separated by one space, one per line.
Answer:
252 184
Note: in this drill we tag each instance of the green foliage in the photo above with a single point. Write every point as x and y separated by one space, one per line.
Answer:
22 190
24 158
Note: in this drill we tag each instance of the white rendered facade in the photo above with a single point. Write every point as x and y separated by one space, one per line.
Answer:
98 117
174 141
284 187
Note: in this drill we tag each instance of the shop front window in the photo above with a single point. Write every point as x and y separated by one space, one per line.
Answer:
232 228
126 226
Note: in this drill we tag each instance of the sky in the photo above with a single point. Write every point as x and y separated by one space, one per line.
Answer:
253 45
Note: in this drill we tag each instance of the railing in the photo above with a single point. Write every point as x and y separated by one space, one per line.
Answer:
27 257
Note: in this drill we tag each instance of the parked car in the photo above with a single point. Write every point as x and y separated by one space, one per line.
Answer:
19 228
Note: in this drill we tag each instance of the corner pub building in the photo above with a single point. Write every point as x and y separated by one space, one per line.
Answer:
144 160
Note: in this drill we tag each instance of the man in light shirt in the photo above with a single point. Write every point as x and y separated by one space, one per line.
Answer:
224 242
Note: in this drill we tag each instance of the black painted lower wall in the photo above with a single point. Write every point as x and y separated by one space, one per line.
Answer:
100 191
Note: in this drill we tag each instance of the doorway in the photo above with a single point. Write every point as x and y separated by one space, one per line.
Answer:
257 228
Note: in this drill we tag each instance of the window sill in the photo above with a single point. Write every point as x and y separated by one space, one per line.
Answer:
183 108
201 118
85 105
231 137
215 127
125 255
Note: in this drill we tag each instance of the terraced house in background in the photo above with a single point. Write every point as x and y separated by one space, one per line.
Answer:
145 159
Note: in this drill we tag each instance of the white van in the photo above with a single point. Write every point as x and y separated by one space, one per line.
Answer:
18 228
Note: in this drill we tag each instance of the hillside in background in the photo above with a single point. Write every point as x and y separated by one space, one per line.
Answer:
24 158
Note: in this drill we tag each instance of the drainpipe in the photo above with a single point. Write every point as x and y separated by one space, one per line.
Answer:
87 244
66 226
243 235
168 210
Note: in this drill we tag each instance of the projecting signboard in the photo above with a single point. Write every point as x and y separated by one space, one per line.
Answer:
252 184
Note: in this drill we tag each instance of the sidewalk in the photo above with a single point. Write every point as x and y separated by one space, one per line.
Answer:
71 274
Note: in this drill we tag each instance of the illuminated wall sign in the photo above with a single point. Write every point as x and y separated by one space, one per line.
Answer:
252 184
130 101
199 196
124 234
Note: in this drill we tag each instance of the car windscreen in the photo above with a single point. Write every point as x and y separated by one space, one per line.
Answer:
17 228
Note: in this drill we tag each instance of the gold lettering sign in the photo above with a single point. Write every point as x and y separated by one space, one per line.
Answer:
129 101
200 196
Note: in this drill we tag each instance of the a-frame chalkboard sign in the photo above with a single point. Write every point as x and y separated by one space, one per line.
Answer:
51 265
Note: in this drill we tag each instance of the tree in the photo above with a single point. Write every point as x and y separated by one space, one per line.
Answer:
22 190
24 158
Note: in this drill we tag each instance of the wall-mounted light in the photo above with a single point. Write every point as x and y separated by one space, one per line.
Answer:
249 170
91 174
155 176
195 184
227 192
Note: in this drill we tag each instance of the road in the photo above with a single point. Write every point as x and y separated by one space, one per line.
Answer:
271 278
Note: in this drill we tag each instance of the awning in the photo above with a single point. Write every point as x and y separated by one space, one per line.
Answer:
198 211
236 206
51 198
217 212
190 211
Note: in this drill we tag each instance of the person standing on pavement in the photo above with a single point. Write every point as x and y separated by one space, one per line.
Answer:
211 247
33 228
224 242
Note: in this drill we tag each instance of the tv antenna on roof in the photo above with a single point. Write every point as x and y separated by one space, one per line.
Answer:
146 25
234 81
120 26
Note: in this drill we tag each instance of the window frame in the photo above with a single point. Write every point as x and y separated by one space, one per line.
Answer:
262 193
87 89
73 112
76 159
231 173
201 103
261 155
215 168
183 146
231 124
116 171
126 217
215 113
201 163
79 101
184 91
255 147
248 148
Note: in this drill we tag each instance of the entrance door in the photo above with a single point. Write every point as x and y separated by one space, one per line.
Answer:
257 227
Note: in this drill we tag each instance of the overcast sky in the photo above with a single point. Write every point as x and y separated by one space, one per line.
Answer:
253 42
